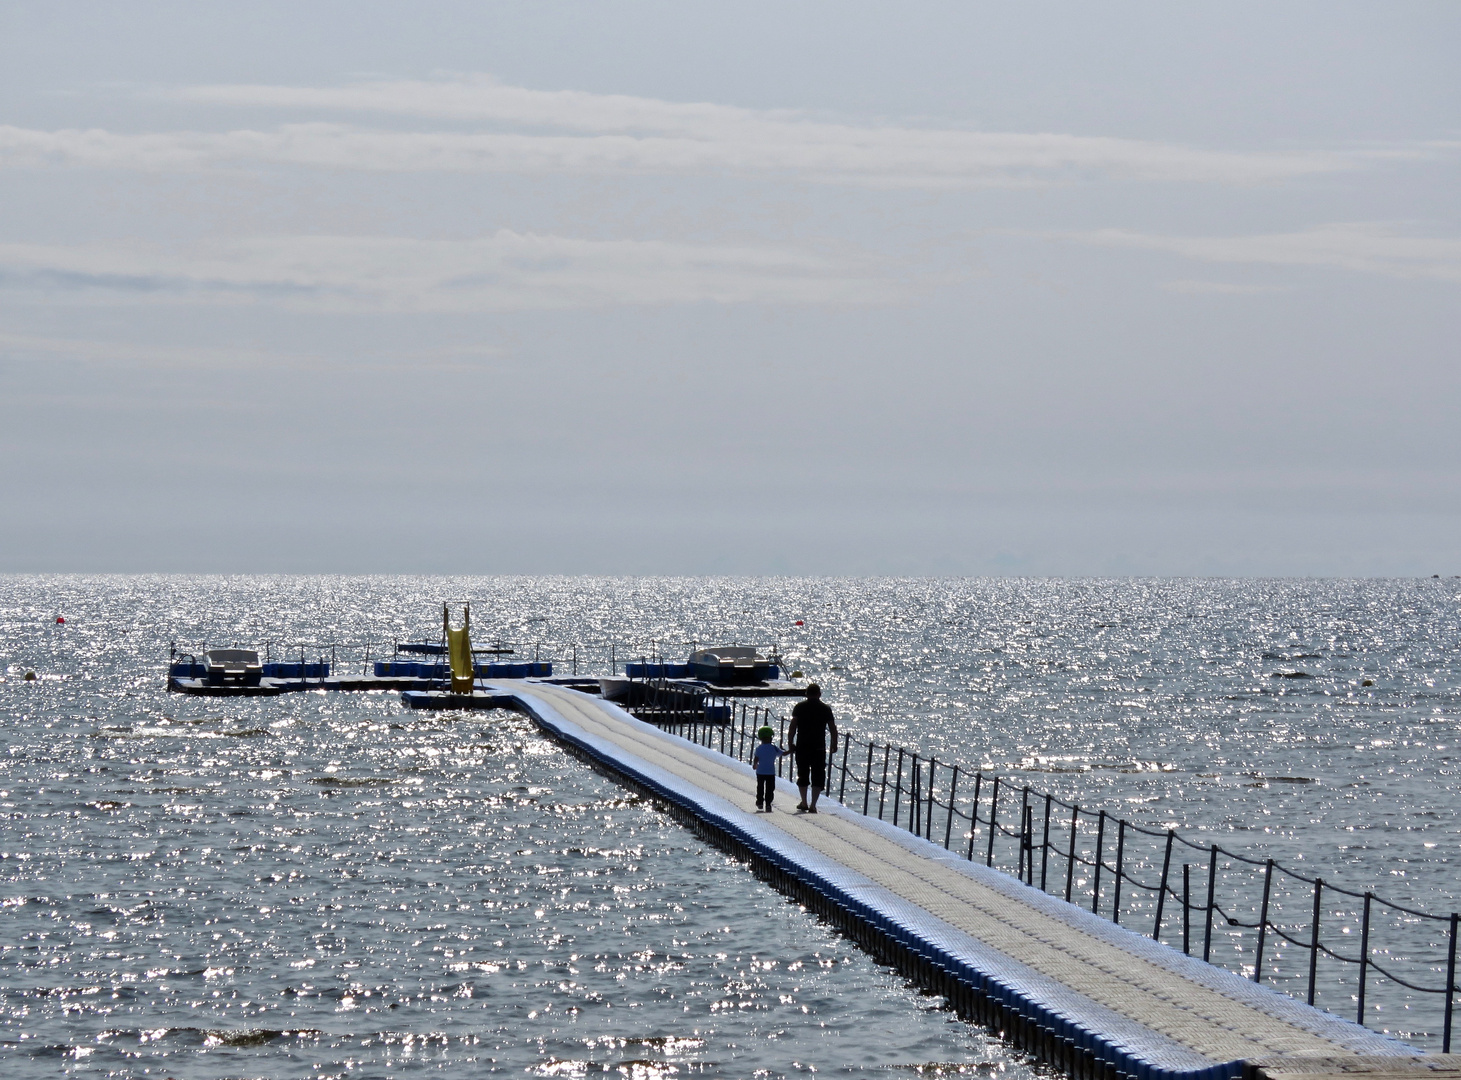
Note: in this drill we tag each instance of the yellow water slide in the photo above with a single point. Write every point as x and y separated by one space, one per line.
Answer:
459 649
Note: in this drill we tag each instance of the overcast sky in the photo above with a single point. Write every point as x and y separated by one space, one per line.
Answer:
814 288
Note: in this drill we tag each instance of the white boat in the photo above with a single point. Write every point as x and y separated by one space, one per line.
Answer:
242 666
615 688
732 665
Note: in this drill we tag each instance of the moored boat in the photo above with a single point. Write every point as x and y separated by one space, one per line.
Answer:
615 687
732 665
232 666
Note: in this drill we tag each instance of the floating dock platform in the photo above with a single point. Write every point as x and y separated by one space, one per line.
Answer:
1086 995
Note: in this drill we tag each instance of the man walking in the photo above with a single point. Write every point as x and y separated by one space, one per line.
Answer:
806 738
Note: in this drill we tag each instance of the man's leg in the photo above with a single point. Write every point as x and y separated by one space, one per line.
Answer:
802 766
819 780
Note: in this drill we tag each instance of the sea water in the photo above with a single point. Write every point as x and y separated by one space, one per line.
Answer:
326 884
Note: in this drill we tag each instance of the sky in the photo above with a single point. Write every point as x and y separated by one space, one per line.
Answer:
750 288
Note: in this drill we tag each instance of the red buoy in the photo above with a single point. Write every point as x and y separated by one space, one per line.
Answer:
59 619
800 623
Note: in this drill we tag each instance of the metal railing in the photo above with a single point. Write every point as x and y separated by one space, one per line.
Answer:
1300 934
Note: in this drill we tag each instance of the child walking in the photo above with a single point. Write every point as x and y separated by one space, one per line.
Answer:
765 756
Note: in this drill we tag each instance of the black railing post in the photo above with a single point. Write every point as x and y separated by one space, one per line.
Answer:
1045 844
925 782
1100 843
897 787
1120 852
883 794
915 791
949 821
1023 847
1162 890
1263 922
1029 866
993 813
928 816
1364 961
1450 986
1211 892
1075 813
916 797
1029 845
842 794
925 776
1314 939
867 783
1186 909
1020 861
974 815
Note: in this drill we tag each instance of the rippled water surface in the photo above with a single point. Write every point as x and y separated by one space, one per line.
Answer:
326 885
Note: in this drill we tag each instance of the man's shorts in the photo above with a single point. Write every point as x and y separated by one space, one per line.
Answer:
811 771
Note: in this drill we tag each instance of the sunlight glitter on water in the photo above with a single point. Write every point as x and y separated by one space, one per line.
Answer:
324 884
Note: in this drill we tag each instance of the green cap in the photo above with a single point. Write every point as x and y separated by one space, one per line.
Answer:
766 733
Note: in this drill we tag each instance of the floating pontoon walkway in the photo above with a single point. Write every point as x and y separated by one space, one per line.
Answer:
1085 994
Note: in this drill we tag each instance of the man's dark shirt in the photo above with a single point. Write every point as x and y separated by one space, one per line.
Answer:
808 735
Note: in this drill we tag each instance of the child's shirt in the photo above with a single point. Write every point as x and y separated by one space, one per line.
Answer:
765 756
